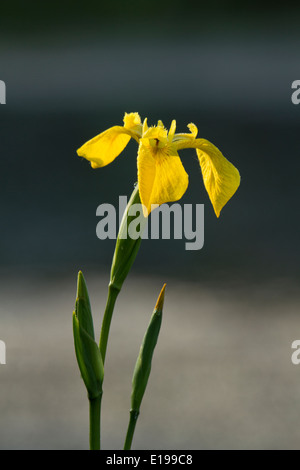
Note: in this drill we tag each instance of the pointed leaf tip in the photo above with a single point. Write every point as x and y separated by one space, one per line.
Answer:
83 309
81 286
160 301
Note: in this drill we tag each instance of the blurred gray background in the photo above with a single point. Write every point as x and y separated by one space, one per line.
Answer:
222 373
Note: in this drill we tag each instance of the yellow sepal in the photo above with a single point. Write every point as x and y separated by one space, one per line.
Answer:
161 178
221 178
105 147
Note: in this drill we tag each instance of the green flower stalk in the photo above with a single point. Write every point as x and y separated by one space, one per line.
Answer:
90 356
143 367
125 253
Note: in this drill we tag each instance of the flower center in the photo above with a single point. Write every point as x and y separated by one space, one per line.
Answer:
157 144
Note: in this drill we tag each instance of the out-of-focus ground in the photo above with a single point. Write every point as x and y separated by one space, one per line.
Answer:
222 374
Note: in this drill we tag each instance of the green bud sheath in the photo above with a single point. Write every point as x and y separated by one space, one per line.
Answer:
143 364
83 307
143 367
87 351
126 247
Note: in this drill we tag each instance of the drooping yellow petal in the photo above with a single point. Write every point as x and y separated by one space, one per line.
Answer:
221 178
161 177
105 147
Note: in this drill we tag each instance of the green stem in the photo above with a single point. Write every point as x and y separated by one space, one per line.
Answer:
95 404
95 409
111 300
125 253
134 414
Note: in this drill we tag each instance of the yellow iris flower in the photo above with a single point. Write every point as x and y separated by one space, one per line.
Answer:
161 175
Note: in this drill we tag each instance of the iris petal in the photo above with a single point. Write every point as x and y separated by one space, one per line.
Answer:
221 178
161 178
105 147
